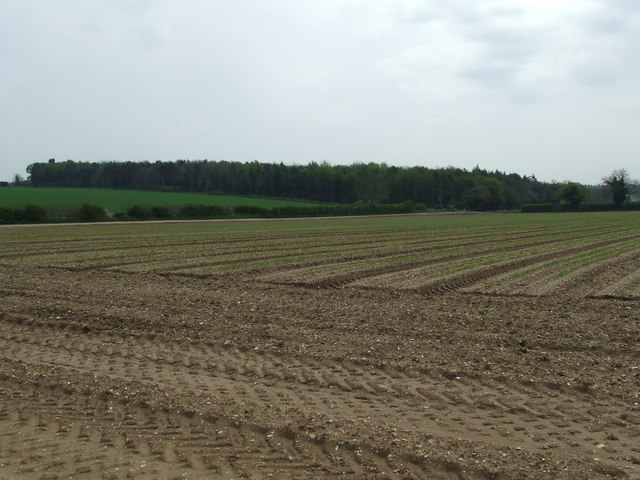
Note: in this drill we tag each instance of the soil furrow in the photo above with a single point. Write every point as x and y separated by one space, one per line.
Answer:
209 373
341 279
457 408
468 278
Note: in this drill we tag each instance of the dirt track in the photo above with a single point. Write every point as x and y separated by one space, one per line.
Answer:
109 373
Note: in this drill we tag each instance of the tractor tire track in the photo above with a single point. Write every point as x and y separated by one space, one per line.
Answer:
339 392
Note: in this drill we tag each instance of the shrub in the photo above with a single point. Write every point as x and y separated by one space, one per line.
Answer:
33 214
161 212
91 213
294 211
201 211
139 212
334 210
597 207
251 210
537 207
365 209
7 215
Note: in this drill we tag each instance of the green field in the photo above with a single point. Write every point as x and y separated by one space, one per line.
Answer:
119 200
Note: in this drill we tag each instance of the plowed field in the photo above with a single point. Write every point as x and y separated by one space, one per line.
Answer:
420 347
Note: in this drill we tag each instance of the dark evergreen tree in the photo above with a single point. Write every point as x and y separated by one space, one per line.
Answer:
370 183
617 183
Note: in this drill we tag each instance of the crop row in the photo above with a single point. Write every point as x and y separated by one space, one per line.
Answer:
506 254
193 252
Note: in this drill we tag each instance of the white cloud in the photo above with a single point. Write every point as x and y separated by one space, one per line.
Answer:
531 86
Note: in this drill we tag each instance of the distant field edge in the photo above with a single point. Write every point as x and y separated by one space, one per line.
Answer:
187 221
25 205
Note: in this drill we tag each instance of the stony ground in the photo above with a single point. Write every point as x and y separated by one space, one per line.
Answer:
106 373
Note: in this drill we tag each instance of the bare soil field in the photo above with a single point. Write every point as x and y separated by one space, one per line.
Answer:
423 347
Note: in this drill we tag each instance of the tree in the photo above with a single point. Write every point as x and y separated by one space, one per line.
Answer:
574 194
371 184
485 193
617 181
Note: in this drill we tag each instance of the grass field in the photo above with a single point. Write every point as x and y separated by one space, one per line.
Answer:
119 200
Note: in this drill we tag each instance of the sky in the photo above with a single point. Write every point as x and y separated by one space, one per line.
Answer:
534 87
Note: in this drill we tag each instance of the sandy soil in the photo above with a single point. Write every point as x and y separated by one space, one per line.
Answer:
114 374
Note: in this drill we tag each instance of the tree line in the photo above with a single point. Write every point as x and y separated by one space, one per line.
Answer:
362 183
369 183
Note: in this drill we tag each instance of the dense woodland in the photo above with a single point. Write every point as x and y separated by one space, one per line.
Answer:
370 183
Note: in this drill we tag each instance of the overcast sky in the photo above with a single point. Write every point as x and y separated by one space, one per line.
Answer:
543 87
